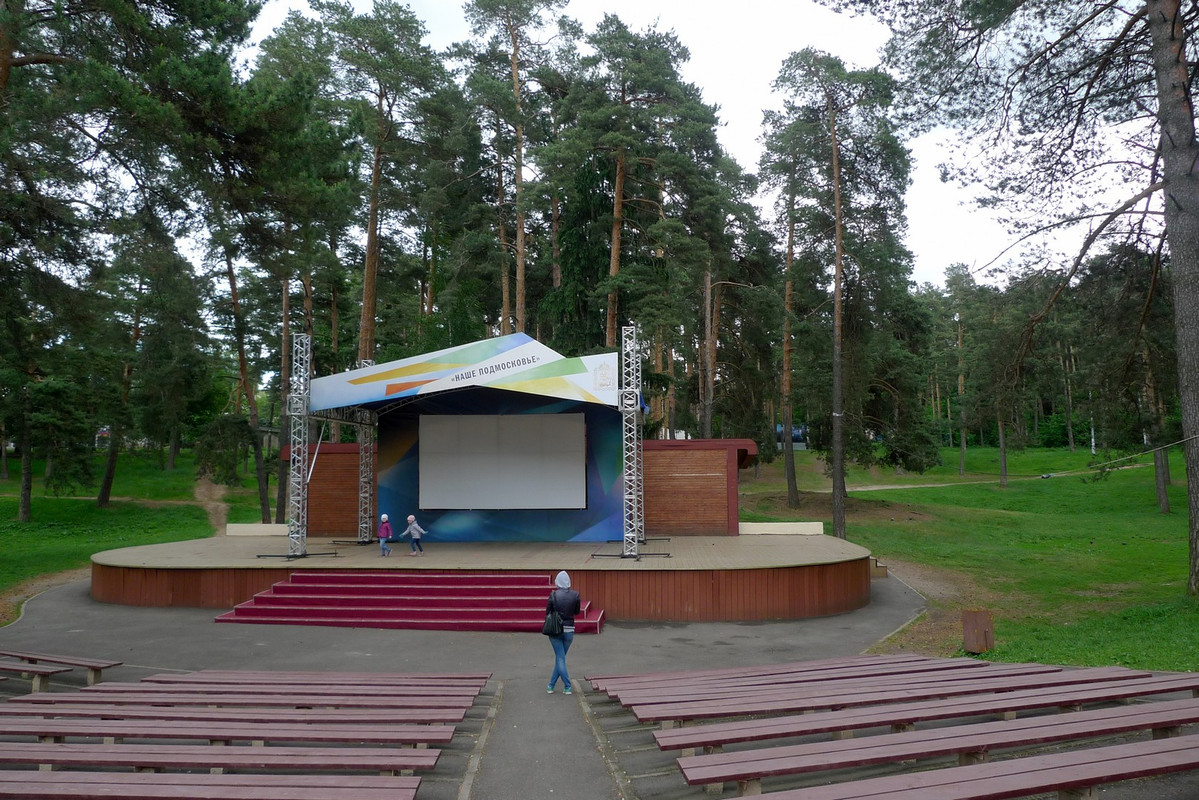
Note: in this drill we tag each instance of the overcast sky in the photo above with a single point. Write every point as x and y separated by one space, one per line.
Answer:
736 51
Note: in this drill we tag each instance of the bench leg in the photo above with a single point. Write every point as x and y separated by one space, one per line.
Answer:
1086 793
975 757
46 767
902 727
1166 733
93 676
41 683
753 786
839 736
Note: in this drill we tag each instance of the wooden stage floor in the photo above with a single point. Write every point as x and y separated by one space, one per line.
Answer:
765 573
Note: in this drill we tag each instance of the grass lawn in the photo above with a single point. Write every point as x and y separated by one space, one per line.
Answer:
1075 570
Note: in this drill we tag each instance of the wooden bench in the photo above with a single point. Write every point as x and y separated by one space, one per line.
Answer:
39 673
833 697
95 666
223 732
311 716
1074 774
475 679
154 757
971 743
829 667
904 715
688 692
201 698
458 694
29 785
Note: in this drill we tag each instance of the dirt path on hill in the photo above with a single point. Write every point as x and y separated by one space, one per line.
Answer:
211 497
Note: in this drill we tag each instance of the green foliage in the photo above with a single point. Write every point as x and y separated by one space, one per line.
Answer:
220 448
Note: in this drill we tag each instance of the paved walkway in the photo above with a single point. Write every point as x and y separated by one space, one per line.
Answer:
519 742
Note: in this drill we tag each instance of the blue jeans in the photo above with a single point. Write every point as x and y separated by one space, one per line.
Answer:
561 644
383 548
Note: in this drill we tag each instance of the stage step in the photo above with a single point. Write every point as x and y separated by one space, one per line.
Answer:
418 600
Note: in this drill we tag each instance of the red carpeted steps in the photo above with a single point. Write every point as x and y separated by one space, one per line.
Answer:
452 601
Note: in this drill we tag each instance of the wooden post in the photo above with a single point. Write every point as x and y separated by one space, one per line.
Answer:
978 633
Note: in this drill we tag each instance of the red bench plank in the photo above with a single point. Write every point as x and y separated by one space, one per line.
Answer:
178 756
311 716
323 678
983 737
1018 777
825 684
367 689
222 699
714 734
815 698
225 731
670 678
28 785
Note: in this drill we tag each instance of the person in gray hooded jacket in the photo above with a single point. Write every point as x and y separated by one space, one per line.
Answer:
566 600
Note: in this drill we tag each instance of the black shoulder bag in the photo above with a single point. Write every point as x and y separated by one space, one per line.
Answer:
553 620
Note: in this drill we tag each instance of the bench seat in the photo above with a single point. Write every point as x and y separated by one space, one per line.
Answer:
834 698
54 728
828 667
384 760
212 678
39 673
202 698
94 666
28 785
972 743
462 693
827 684
1073 773
311 716
906 714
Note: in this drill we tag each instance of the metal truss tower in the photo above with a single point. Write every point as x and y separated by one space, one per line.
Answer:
366 469
630 409
297 473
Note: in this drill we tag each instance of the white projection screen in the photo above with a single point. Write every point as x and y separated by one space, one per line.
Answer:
512 461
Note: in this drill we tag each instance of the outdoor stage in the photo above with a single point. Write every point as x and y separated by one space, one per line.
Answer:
769 572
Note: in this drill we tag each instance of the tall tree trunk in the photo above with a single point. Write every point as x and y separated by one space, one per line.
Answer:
334 339
1180 153
1002 448
838 426
116 432
555 240
239 335
610 338
370 270
786 411
25 442
518 159
961 402
505 288
3 453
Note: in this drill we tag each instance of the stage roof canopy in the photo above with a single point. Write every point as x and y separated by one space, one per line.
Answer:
516 363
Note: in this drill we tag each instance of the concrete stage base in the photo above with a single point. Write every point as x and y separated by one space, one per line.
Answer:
681 579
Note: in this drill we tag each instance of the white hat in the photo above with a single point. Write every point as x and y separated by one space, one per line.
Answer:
384 518
411 518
